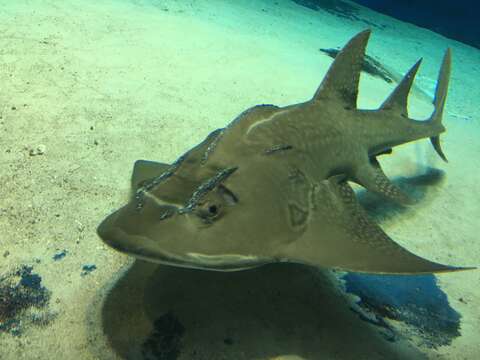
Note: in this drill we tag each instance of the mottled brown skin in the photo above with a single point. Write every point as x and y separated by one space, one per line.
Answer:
273 185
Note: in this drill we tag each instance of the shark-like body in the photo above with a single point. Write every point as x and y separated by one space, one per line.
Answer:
273 185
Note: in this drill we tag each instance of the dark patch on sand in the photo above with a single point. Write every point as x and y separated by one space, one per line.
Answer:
23 301
164 342
370 65
60 255
414 300
335 7
338 8
87 269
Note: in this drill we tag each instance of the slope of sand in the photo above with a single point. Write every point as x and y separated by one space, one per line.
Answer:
88 87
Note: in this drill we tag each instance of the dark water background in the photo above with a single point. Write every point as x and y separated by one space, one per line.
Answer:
457 20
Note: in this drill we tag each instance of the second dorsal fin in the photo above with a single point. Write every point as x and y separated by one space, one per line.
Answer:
341 81
398 99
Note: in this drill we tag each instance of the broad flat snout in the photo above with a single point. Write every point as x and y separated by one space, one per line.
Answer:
132 228
114 231
125 230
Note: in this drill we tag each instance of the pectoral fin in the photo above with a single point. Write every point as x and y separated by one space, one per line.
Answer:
144 170
342 236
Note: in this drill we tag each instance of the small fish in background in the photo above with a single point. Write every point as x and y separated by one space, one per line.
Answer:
273 186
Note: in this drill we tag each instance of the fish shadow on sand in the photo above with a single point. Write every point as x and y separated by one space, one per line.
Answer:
168 313
417 187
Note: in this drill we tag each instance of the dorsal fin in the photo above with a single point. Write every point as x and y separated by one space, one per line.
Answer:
397 100
341 81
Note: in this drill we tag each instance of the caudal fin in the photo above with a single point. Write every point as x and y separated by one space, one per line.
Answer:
439 100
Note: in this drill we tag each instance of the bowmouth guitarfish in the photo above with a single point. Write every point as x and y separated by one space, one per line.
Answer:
273 185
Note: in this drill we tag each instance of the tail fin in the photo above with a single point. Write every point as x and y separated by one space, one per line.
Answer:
439 100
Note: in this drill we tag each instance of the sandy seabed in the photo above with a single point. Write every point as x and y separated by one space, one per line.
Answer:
88 87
